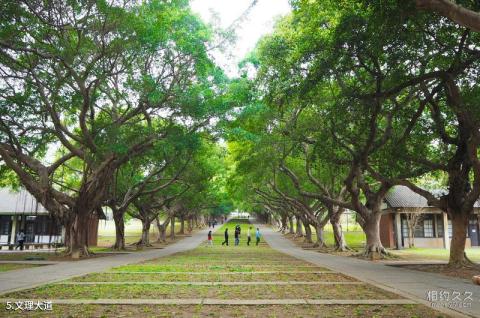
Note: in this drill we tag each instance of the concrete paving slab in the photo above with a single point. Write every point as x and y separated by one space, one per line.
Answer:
211 283
224 273
254 302
360 301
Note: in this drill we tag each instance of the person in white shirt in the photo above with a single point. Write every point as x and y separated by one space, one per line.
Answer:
20 240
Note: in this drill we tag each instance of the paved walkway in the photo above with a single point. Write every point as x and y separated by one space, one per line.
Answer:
32 277
408 283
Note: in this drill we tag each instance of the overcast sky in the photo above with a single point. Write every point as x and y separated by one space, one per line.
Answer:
259 22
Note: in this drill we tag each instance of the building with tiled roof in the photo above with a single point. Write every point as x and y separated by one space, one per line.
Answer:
432 225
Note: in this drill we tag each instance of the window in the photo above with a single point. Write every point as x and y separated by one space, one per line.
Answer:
439 221
418 231
4 225
45 225
449 228
428 228
404 228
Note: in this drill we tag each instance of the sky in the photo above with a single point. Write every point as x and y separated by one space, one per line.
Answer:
260 21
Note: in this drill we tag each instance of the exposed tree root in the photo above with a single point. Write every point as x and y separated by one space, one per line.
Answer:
344 248
320 245
466 262
375 252
82 252
118 248
141 244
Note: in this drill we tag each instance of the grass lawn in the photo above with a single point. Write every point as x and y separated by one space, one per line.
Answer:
261 311
213 277
354 237
354 240
437 254
133 232
11 267
207 264
37 256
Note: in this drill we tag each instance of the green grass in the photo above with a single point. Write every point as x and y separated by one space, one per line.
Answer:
133 232
146 291
240 262
355 237
215 311
437 254
211 277
11 267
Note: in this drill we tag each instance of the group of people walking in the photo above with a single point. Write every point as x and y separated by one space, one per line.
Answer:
238 231
211 224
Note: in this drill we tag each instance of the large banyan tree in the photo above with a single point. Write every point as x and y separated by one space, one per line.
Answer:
95 83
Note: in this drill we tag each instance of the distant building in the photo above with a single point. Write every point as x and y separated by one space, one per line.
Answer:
19 210
434 229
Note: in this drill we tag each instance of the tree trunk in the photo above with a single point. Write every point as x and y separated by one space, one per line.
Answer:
320 238
145 240
182 225
67 223
290 222
284 224
79 235
119 230
411 234
373 248
162 231
172 228
459 238
190 224
299 231
338 236
308 233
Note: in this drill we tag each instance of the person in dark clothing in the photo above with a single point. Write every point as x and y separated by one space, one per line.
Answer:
237 236
226 238
209 238
249 237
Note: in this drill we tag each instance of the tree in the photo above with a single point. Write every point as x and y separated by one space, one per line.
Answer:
158 169
82 75
455 12
413 218
373 80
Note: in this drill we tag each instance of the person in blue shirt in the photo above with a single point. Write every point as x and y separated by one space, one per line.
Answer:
257 235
